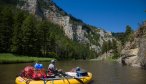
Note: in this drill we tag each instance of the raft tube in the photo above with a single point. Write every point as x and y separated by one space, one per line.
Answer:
61 80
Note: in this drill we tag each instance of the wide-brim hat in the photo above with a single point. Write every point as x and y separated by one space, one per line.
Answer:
53 61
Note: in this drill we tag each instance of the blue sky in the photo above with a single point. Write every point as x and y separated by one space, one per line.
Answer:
111 15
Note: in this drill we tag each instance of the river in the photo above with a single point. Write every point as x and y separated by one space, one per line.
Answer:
104 72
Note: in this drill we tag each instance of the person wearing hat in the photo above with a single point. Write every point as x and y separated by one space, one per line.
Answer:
52 67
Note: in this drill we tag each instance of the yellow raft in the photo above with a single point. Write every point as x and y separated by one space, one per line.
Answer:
62 80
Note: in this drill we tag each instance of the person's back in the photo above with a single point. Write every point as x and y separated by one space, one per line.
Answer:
51 67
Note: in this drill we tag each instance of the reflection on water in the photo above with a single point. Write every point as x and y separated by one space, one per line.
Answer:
103 72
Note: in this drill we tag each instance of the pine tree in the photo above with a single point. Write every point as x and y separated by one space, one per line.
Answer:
109 44
43 31
6 28
115 50
128 32
17 32
29 37
104 47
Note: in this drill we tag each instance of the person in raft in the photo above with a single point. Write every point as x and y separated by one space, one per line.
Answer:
52 67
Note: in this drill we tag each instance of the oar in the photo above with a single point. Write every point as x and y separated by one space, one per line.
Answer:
44 80
28 81
79 80
52 81
51 78
61 74
62 78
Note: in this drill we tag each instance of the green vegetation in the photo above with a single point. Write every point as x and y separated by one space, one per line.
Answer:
11 58
108 45
124 36
128 33
22 34
92 35
116 53
110 58
42 4
10 2
111 45
74 20
119 36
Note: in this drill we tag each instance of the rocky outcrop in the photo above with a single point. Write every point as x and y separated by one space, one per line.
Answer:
105 36
134 52
75 30
106 55
31 6
142 52
130 57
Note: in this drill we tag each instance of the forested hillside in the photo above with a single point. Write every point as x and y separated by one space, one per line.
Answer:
21 33
41 28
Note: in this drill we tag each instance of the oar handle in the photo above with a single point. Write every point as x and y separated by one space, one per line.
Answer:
44 79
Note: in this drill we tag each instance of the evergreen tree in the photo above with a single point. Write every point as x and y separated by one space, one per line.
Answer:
128 32
104 47
6 28
109 45
115 50
17 32
29 37
43 31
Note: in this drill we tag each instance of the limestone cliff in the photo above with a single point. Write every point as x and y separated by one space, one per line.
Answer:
74 29
134 52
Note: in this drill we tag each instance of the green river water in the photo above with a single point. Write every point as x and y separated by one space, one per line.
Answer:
103 72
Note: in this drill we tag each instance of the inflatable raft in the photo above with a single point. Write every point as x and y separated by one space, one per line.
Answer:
57 80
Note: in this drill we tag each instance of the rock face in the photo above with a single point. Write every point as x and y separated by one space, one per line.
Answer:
134 52
31 5
74 30
130 57
142 52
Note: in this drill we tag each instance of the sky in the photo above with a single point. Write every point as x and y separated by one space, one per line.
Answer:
111 15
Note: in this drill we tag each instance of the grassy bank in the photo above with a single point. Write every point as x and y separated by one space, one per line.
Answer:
11 58
110 58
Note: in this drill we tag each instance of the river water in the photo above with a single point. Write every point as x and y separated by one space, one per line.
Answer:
104 72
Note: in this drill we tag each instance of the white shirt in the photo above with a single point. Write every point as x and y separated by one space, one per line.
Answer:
51 66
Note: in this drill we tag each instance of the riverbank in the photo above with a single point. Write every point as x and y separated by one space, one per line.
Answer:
110 58
6 58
